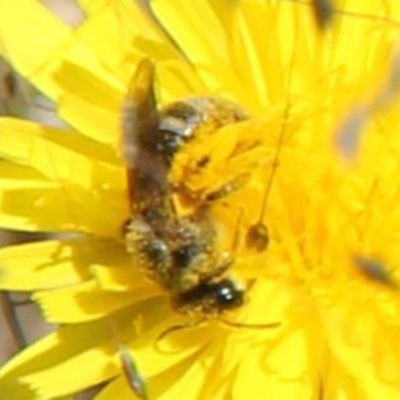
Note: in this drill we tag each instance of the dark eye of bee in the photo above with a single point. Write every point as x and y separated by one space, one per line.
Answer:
228 295
211 297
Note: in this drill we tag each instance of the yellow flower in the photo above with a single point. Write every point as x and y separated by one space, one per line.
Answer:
326 280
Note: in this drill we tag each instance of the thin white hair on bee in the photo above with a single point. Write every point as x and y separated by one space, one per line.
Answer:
349 133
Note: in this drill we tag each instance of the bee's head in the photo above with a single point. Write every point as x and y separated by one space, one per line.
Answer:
185 119
211 298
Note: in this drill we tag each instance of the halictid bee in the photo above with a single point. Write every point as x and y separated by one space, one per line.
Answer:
176 251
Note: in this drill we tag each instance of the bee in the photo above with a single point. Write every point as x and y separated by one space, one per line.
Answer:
176 251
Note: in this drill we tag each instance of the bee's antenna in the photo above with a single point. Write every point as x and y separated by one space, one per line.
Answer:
194 324
235 324
175 328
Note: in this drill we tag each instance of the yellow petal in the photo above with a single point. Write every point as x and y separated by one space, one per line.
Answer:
85 302
123 44
204 49
41 265
16 176
53 263
20 46
68 346
87 182
72 375
53 152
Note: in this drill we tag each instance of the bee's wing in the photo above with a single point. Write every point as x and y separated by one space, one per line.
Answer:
139 130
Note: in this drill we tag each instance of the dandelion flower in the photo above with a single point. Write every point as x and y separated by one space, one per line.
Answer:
325 274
